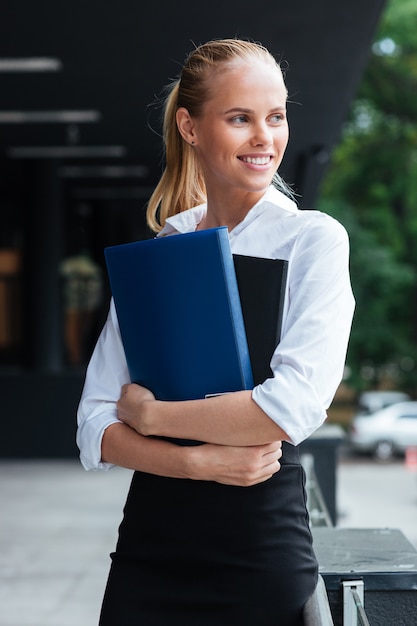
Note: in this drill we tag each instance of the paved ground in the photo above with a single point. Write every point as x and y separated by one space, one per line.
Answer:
377 495
58 524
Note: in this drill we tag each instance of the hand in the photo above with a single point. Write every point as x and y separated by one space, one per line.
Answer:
130 404
239 466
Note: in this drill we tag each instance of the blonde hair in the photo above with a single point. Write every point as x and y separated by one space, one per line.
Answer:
182 184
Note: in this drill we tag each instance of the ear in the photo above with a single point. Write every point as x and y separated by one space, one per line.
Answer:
186 126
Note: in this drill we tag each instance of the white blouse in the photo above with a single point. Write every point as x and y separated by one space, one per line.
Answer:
308 363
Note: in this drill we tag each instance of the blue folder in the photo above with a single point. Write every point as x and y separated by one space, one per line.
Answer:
180 315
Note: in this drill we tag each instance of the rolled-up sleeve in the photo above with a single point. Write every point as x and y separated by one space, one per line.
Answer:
309 361
106 373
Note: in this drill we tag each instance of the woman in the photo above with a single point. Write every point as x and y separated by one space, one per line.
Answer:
218 534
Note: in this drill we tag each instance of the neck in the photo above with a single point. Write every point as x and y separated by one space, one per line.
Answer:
228 211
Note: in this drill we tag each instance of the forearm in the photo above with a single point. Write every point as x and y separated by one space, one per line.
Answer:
233 419
239 466
123 446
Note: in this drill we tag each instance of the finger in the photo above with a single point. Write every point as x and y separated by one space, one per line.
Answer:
273 454
272 466
275 447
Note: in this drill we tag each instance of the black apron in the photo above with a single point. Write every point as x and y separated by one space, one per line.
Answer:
198 553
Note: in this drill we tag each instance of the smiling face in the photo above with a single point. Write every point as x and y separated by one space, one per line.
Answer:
242 132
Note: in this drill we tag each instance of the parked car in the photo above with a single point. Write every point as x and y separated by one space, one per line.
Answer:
387 432
371 401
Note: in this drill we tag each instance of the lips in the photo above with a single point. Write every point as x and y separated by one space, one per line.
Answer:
260 160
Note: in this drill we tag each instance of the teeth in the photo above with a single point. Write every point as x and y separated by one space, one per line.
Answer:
257 160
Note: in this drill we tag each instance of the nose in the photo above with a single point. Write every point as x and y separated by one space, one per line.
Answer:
262 135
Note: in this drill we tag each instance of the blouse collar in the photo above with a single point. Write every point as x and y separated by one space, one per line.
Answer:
187 221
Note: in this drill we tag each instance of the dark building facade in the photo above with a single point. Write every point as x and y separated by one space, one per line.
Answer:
80 154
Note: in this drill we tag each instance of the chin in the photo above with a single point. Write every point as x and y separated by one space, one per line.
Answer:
261 187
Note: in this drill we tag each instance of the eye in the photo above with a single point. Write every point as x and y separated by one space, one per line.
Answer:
239 119
277 118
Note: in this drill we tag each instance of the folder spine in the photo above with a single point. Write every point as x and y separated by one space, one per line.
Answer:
284 279
235 307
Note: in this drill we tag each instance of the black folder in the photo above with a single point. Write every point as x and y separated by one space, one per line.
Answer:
262 284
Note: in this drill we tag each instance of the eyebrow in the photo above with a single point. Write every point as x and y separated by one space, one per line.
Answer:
243 110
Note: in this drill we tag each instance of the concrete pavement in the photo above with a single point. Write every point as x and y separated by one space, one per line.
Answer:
371 494
58 525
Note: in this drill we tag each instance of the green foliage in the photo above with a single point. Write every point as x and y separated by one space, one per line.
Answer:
371 187
383 287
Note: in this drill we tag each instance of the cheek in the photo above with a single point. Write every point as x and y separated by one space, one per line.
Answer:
218 147
211 143
281 140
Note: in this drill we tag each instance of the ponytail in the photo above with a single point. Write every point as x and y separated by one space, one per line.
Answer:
181 185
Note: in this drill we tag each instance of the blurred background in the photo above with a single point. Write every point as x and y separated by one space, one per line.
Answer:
80 153
371 186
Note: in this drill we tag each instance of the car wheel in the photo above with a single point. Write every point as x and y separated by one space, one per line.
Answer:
384 450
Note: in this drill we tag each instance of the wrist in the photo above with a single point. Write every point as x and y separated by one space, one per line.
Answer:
193 462
148 418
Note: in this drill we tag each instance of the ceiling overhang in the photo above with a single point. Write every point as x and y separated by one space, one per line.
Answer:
105 63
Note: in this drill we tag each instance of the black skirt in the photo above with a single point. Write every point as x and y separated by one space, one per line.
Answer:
194 553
